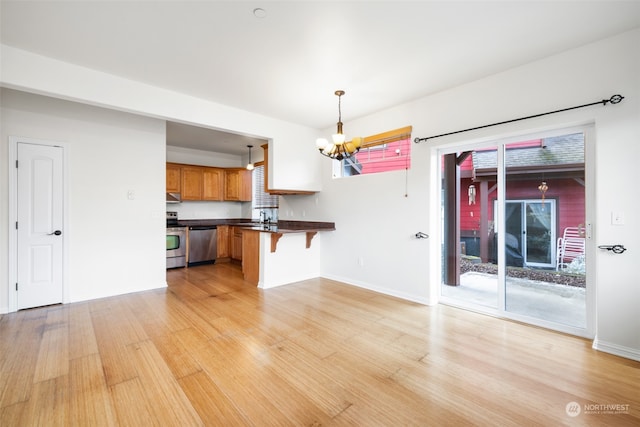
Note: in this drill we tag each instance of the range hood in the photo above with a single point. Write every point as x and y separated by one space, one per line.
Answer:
173 198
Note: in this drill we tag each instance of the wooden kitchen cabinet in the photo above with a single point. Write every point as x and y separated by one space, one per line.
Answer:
174 173
237 185
236 244
209 183
212 183
201 183
251 256
223 243
192 183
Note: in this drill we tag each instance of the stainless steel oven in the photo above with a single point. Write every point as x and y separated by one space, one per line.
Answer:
176 242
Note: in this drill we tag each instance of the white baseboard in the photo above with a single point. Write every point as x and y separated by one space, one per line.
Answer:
618 350
385 291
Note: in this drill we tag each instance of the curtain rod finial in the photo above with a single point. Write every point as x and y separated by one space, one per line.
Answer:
616 99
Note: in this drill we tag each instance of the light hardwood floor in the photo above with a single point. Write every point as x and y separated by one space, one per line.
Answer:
214 350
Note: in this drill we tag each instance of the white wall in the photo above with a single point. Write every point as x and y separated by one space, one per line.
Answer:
116 245
373 245
292 261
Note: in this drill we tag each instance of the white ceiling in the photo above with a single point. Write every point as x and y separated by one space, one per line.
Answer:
198 138
288 64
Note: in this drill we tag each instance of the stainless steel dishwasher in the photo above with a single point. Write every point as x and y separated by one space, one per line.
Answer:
203 244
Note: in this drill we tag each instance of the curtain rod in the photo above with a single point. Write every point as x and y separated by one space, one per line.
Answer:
615 99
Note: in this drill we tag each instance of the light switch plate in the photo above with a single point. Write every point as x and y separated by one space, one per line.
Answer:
617 218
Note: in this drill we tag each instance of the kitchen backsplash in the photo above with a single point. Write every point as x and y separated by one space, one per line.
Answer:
271 214
211 210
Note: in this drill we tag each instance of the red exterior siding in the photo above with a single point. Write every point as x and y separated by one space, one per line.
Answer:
385 158
568 193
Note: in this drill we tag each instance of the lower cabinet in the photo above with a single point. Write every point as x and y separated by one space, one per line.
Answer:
229 243
223 242
251 257
233 242
236 244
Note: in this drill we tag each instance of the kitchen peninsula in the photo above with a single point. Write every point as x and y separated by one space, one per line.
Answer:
277 253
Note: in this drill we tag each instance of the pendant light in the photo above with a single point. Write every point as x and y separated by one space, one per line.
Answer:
338 149
250 164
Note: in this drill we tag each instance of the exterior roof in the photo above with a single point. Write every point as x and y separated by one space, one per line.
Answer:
559 150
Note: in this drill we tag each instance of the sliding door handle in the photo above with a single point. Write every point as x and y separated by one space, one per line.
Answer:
616 249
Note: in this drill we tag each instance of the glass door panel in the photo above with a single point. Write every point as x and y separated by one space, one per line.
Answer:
514 232
544 194
539 233
470 258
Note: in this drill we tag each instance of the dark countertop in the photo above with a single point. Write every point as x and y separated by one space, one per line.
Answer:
281 227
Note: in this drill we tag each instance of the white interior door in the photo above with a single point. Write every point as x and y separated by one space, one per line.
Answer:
39 227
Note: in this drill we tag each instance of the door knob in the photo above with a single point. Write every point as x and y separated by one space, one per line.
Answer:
57 233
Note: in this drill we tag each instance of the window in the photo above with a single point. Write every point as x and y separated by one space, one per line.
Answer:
384 152
262 200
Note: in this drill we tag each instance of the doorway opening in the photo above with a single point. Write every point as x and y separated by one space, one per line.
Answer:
508 208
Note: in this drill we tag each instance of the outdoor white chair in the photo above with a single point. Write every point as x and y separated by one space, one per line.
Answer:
570 246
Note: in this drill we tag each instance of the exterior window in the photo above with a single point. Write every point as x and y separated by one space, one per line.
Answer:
385 152
262 200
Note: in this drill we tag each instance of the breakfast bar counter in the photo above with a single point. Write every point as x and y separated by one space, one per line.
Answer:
282 253
277 230
274 254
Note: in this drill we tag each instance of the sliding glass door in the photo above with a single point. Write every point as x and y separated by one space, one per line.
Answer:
530 227
514 229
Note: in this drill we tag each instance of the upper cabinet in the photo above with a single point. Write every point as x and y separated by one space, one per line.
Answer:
276 191
209 183
191 183
237 185
173 178
212 183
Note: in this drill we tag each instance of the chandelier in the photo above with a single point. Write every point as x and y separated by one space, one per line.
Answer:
338 148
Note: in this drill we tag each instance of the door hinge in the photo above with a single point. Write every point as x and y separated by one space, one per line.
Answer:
16 286
16 225
16 164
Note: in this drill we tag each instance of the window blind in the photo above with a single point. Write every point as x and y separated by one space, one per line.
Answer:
262 200
387 137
